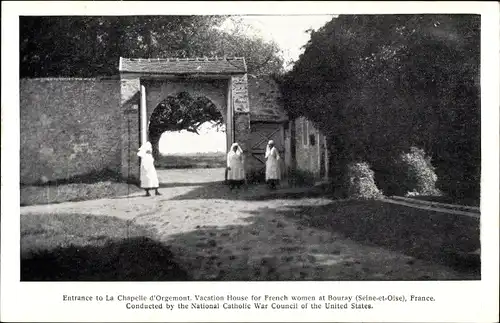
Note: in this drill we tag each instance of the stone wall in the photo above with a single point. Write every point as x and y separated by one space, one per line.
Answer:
129 122
68 127
241 110
307 152
265 99
215 90
72 126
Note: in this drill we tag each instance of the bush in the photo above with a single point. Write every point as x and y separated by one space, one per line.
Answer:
378 100
361 182
420 176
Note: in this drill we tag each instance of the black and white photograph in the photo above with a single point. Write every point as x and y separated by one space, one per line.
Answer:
321 147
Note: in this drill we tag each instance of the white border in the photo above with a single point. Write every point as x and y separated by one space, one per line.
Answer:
458 301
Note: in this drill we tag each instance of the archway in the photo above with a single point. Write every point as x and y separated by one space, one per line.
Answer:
171 75
184 119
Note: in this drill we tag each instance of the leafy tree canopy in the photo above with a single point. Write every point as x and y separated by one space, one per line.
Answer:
380 84
182 112
86 46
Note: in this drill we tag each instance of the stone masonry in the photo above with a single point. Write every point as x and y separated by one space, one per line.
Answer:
68 128
73 126
241 110
165 76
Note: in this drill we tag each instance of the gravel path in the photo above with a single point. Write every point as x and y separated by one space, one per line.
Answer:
220 234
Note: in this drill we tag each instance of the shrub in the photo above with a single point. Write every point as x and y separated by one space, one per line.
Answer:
380 99
361 182
420 176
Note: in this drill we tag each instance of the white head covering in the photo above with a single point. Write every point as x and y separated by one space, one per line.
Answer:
144 148
239 151
268 149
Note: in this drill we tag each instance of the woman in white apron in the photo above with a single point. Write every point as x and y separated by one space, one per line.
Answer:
235 166
149 178
272 165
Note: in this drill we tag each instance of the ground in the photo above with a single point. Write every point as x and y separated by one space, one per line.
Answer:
200 230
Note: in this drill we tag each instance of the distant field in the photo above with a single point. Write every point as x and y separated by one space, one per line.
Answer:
195 160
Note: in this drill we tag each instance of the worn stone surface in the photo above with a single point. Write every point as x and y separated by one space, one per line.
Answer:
265 100
214 90
68 127
239 87
130 87
242 129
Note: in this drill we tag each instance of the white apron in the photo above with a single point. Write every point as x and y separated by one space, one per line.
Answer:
237 168
149 178
272 164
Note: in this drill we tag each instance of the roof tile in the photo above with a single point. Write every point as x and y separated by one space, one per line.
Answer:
212 65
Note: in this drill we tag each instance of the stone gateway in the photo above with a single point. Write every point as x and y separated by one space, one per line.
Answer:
144 83
72 127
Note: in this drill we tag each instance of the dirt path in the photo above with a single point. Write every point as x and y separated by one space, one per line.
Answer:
216 233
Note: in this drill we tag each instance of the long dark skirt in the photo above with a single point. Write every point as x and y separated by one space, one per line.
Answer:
272 183
235 183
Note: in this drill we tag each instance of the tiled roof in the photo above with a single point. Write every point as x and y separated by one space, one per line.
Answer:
224 65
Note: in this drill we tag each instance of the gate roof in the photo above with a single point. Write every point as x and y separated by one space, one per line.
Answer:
176 66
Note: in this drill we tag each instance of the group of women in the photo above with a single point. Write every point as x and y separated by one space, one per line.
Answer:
235 167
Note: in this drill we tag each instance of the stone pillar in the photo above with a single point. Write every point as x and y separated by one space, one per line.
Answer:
229 118
144 116
241 110
130 127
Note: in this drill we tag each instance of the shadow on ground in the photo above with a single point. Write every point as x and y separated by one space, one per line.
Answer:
181 184
134 259
248 192
442 238
82 247
338 241
341 240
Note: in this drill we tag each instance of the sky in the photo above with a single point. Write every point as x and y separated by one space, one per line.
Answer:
289 32
179 142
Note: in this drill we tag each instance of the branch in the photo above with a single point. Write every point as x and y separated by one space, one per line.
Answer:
263 64
194 130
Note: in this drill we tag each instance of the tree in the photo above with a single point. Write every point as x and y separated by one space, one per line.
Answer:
379 85
87 46
181 112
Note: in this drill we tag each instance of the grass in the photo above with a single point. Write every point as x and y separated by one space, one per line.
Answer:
336 240
449 200
48 194
74 247
88 186
438 237
195 160
214 237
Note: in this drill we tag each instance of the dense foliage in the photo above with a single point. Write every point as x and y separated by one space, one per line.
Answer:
378 85
360 181
411 173
86 46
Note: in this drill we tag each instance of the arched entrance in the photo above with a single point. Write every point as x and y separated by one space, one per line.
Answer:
145 83
180 112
